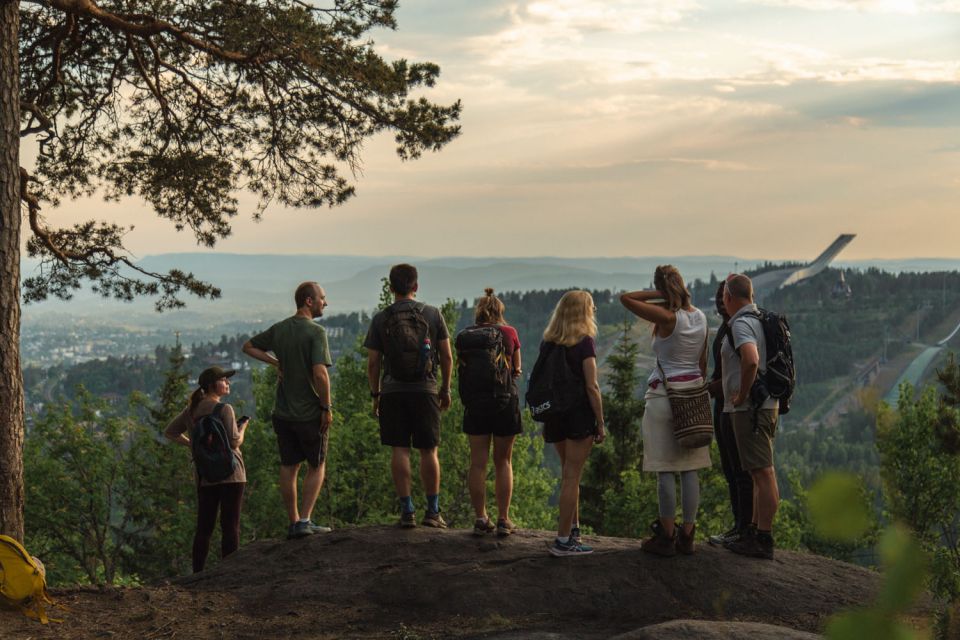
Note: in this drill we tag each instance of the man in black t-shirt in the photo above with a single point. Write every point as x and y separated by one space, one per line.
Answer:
405 343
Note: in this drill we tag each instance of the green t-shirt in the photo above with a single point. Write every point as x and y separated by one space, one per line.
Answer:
298 343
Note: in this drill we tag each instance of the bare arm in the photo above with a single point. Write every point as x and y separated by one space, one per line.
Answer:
637 302
321 383
517 370
175 430
446 372
374 362
749 365
593 395
260 354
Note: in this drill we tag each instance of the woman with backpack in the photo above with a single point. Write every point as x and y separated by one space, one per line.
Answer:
488 363
568 356
680 345
220 472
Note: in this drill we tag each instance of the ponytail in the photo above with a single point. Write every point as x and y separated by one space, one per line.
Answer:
195 399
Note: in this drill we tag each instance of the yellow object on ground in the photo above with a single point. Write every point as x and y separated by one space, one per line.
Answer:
23 581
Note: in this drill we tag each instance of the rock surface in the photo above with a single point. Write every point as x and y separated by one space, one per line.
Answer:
373 582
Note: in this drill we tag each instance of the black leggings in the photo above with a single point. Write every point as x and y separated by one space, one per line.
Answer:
739 482
225 498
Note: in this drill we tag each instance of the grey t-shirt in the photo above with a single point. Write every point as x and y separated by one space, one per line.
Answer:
745 328
375 340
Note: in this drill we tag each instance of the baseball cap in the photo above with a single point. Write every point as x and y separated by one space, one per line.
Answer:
212 374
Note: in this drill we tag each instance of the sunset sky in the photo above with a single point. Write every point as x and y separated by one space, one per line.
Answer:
761 129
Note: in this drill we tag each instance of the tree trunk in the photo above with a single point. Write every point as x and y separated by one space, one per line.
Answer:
11 380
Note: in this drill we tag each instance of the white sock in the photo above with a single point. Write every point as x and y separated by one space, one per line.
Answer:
304 520
563 539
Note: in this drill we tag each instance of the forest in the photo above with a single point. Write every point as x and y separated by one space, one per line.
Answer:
99 426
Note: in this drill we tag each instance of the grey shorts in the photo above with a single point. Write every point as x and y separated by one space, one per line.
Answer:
755 446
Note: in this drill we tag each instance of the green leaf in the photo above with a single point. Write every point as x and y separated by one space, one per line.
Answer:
868 624
905 565
837 507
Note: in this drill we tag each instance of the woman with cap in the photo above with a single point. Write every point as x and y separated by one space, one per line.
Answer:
224 495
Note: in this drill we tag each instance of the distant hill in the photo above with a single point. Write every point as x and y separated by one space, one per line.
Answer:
255 287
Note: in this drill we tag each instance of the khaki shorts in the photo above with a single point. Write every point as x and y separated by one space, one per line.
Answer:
755 448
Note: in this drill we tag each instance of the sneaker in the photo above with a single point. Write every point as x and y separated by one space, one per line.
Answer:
575 533
505 528
685 542
660 543
408 519
299 530
722 539
318 528
483 526
570 548
753 545
434 519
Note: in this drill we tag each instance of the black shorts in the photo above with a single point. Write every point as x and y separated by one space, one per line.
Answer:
299 441
504 423
576 425
410 417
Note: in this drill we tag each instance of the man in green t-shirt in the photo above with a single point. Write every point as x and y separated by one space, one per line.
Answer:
298 348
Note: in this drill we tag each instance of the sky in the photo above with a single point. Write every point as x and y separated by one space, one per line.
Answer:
755 128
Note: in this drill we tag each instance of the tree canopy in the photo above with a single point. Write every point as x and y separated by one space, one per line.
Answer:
187 103
184 104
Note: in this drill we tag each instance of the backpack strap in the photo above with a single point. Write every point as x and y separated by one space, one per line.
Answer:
217 410
755 314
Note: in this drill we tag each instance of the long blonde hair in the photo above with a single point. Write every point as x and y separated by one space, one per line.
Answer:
668 281
572 319
489 309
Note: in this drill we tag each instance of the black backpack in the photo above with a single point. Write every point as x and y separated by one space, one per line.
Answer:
554 389
407 343
780 378
484 375
212 455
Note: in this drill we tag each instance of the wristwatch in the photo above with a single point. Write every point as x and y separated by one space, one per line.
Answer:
325 407
374 394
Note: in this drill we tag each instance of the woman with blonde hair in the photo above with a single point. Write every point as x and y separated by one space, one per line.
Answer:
571 329
680 344
488 363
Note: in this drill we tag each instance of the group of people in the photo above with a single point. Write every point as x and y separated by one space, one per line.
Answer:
410 368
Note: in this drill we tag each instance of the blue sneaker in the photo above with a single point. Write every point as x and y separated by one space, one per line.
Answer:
571 548
299 530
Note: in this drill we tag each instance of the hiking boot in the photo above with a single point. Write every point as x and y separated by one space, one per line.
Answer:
318 528
505 528
722 539
434 519
575 533
753 545
569 548
408 519
685 542
482 526
299 530
660 543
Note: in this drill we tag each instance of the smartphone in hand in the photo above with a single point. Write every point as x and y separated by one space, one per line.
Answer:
243 419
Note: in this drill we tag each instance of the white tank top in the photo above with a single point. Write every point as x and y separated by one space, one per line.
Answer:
679 354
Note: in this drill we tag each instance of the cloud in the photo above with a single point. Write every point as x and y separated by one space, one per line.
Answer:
910 7
543 31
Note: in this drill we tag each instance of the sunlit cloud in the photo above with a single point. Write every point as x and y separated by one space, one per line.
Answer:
909 7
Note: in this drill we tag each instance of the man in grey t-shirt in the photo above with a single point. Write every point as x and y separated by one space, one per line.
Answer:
405 343
743 357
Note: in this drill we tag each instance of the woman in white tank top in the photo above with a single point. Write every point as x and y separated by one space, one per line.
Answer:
680 344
